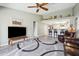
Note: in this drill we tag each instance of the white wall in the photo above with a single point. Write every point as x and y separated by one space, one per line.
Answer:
76 10
6 17
76 14
41 29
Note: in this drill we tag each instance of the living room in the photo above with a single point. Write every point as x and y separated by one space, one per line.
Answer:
14 15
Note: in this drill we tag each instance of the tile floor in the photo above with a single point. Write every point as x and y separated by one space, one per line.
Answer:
34 47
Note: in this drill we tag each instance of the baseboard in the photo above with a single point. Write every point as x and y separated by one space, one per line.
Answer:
3 45
0 45
42 35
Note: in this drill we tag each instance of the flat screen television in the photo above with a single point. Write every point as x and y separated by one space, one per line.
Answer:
16 31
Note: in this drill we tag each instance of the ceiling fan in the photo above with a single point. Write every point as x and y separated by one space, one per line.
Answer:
38 6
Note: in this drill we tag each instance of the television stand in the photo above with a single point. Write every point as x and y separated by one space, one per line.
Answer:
11 40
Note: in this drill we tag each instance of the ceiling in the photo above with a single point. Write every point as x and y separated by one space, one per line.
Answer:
52 7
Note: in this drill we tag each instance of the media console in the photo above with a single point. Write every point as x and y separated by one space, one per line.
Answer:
11 40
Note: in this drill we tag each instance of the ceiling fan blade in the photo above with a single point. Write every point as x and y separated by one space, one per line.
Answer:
32 6
43 4
46 9
37 10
